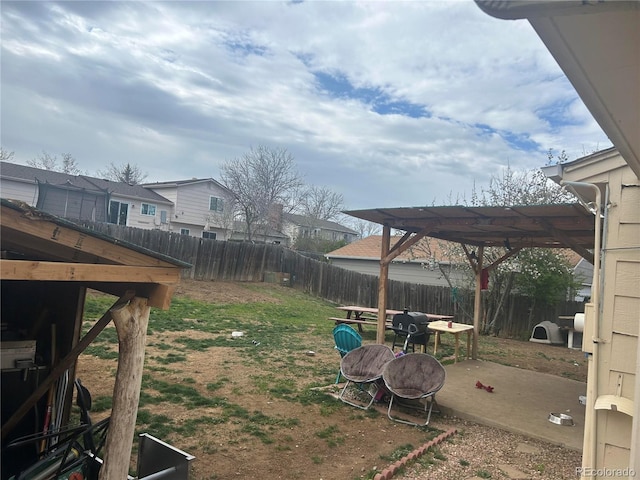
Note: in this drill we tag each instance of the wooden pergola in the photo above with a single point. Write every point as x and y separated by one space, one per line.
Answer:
476 228
46 267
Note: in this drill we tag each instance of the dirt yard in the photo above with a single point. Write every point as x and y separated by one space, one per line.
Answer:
324 441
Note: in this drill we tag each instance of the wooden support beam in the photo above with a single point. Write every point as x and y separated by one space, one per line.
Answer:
569 242
58 370
131 322
402 245
477 304
382 284
82 272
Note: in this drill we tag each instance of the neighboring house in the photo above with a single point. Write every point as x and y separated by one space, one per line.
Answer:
202 207
425 263
81 197
583 273
299 226
597 45
271 235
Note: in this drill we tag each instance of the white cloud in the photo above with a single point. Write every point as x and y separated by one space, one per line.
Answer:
180 87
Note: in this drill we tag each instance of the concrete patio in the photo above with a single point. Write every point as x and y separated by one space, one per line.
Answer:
521 400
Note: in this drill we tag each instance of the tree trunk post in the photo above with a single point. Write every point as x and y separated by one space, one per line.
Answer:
131 322
383 281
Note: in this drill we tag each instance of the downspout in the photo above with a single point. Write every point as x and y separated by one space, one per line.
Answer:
592 387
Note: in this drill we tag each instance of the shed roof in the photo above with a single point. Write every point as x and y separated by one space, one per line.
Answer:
24 173
39 246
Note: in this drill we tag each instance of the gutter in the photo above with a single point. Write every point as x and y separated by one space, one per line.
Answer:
591 444
521 9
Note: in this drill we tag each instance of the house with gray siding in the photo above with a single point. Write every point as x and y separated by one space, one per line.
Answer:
82 197
426 263
299 226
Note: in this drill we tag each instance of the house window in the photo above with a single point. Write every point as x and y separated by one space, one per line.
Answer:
118 212
184 231
215 204
148 209
209 235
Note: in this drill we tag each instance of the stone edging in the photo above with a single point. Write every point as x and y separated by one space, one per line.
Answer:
390 471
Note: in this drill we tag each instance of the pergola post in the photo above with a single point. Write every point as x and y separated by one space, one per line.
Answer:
382 284
131 322
477 303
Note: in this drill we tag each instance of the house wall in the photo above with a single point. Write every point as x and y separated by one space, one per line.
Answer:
191 208
616 371
411 272
139 220
19 190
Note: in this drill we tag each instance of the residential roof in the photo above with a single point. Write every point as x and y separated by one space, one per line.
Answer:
427 249
177 183
33 175
369 248
241 227
309 222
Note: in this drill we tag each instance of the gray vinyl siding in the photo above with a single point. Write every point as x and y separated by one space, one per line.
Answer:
412 272
20 190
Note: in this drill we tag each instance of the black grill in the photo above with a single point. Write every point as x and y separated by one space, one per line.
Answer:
412 325
401 322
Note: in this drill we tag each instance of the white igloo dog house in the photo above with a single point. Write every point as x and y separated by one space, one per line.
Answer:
547 332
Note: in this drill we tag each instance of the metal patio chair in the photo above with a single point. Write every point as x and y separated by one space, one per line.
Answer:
346 339
364 366
415 376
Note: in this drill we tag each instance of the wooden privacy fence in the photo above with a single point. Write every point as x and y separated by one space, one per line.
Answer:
247 262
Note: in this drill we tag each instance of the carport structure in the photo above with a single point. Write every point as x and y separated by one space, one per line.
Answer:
476 228
47 265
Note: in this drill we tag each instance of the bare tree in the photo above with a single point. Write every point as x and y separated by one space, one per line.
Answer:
6 155
321 203
514 188
126 173
364 228
46 161
260 180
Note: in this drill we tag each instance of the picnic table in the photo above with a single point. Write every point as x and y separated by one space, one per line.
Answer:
361 315
443 326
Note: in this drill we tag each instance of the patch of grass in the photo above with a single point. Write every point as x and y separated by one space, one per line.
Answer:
171 358
316 459
331 436
464 463
258 432
213 386
101 403
543 355
157 425
483 474
192 426
180 394
438 455
105 352
399 453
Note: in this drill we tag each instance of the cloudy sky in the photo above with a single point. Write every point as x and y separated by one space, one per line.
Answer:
388 103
